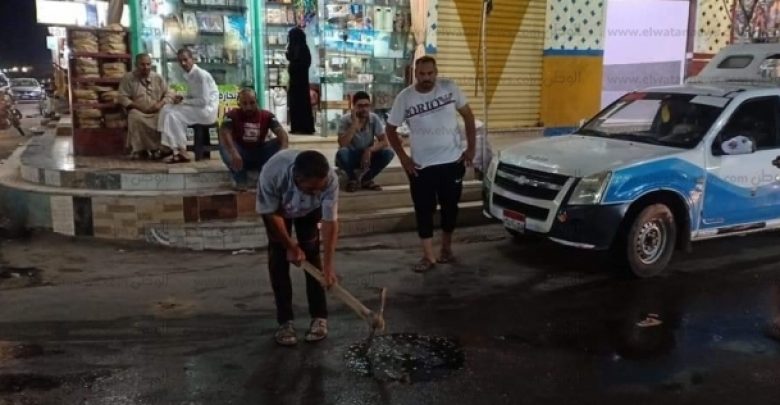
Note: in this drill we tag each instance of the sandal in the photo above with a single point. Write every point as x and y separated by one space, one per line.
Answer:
352 186
177 159
318 330
446 256
424 265
370 185
285 335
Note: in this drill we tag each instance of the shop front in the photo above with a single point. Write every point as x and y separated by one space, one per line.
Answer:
218 32
354 46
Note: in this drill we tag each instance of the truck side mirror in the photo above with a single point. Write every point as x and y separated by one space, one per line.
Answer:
737 145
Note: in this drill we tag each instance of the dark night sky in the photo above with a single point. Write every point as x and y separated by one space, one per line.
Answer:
22 39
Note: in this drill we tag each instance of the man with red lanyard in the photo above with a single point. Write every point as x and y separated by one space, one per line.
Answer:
242 139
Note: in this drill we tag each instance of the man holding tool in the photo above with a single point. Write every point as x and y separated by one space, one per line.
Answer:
299 188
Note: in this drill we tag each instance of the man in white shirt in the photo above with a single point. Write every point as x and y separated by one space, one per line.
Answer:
438 162
199 106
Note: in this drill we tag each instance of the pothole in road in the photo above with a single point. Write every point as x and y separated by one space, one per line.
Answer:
17 277
406 357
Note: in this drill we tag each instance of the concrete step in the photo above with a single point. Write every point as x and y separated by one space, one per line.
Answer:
250 233
395 175
395 197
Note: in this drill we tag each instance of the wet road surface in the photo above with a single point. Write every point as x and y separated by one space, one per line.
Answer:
537 323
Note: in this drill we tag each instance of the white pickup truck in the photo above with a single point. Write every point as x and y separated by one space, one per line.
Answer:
655 170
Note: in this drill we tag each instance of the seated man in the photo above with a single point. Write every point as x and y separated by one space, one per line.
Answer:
363 145
242 139
199 106
143 93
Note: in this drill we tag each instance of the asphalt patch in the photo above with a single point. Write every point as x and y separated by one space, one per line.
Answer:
19 277
405 357
10 383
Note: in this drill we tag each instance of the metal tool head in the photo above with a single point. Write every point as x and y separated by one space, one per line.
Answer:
376 320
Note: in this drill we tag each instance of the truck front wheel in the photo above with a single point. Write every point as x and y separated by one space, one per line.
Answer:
650 241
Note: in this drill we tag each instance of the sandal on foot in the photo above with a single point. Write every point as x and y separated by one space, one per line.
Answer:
370 185
445 257
423 266
177 159
352 186
318 330
285 335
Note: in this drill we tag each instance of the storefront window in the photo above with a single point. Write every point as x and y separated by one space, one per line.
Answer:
280 17
355 46
216 31
365 47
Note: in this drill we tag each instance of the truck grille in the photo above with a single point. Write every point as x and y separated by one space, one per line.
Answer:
529 183
529 211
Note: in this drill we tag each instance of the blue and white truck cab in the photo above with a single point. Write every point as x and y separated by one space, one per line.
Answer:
655 170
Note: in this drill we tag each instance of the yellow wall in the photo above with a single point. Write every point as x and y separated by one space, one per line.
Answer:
571 89
573 62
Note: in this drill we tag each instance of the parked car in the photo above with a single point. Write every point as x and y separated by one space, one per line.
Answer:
27 89
4 82
655 170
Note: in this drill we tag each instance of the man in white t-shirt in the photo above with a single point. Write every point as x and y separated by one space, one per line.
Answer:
439 159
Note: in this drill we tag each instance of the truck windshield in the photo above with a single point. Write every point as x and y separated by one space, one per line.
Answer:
669 119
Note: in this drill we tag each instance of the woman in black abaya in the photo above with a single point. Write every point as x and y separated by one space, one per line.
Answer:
298 98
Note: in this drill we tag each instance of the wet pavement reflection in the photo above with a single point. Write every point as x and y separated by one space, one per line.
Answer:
524 326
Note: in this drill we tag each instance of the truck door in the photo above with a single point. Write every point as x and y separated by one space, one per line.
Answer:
742 189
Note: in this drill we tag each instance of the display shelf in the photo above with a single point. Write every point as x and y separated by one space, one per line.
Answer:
96 80
92 29
96 141
98 55
363 46
204 63
211 7
211 34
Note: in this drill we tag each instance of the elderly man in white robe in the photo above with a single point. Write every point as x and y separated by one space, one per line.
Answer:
199 106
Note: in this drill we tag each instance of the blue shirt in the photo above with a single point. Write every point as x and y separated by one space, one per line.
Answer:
277 192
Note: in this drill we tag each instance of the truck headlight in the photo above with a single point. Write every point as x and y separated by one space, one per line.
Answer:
590 189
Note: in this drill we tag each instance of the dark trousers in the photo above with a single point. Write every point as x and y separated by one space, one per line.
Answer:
308 235
349 160
437 185
254 159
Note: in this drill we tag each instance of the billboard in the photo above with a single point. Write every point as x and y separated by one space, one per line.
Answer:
93 14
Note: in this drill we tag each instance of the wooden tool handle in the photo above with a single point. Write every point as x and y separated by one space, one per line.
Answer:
341 293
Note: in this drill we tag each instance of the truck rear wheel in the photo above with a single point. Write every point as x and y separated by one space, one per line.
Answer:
650 241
